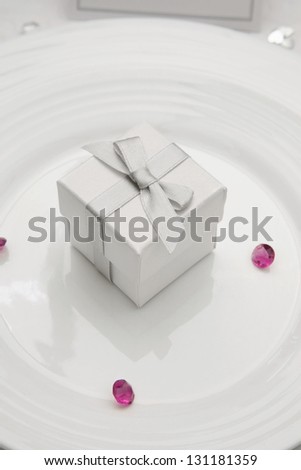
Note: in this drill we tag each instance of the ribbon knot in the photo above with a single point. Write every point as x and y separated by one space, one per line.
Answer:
160 200
143 177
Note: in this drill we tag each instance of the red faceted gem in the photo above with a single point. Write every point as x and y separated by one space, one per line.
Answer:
263 256
2 242
123 392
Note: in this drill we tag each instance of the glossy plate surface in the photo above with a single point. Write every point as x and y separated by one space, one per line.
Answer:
215 359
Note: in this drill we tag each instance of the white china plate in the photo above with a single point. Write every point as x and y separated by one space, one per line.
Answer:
215 358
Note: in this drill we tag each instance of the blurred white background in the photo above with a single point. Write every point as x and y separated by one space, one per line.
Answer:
49 13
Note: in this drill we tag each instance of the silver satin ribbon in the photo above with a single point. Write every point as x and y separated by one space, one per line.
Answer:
142 176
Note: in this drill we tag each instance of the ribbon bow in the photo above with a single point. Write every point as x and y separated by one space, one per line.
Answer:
159 198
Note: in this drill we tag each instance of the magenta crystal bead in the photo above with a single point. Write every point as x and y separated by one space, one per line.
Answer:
263 256
123 392
2 242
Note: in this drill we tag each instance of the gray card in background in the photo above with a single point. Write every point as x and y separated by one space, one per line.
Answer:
238 14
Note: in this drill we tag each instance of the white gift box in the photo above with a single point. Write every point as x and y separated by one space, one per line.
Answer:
141 264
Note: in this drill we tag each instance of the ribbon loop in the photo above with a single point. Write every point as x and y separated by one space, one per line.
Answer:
132 153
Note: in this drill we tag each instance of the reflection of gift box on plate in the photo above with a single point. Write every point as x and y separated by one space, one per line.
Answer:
135 210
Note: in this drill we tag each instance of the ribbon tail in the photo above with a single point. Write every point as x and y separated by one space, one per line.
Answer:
159 212
179 195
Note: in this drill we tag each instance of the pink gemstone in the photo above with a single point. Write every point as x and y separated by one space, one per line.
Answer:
263 256
2 242
123 392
